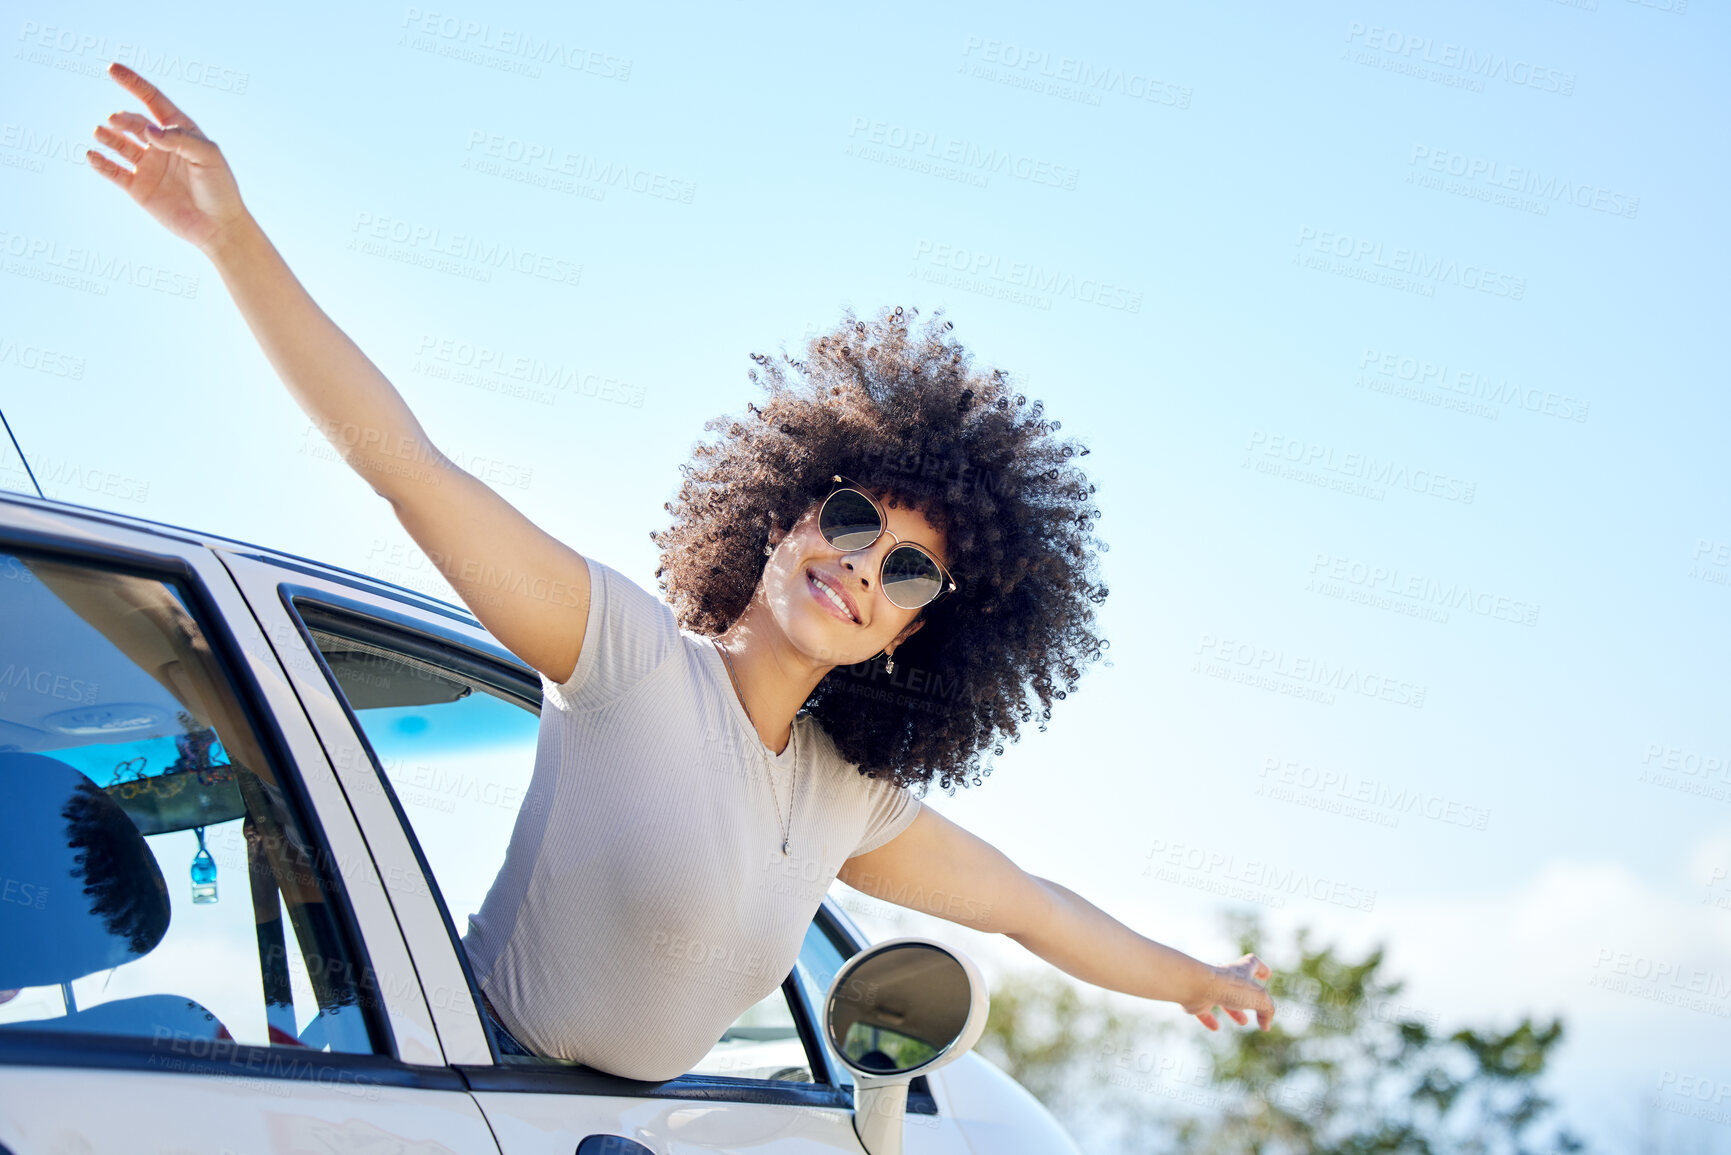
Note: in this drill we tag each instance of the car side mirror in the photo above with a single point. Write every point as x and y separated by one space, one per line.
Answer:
901 1008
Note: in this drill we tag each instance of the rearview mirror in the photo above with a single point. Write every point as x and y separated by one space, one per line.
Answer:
901 1008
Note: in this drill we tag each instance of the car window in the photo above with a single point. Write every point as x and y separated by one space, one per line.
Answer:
459 753
763 1043
155 880
820 957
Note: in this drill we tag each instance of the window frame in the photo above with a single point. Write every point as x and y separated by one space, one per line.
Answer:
200 581
410 628
388 629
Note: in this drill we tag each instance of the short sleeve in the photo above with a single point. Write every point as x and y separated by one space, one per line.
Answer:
630 633
891 810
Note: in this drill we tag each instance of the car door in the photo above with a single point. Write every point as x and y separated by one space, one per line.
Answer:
196 949
433 730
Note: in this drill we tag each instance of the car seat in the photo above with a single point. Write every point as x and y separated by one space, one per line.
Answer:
80 892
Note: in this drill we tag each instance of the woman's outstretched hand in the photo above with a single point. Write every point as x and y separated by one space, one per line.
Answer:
1235 988
177 174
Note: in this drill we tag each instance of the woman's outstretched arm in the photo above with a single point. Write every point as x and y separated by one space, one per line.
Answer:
937 867
530 590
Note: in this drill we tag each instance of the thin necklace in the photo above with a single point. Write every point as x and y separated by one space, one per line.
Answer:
793 737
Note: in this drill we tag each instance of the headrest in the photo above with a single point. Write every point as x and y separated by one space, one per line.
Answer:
80 891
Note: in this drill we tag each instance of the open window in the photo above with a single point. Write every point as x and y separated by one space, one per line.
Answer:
157 876
453 734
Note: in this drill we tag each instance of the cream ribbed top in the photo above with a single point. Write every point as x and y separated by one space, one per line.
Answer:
644 902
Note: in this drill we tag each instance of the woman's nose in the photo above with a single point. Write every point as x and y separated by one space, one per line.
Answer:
847 560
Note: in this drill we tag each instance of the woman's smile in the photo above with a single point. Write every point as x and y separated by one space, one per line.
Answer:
831 598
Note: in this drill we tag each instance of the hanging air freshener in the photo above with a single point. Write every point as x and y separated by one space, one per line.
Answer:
203 871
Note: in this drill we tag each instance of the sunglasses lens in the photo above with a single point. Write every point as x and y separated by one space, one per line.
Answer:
848 521
911 579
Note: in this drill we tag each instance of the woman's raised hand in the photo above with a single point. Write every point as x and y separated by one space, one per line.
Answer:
1235 988
177 174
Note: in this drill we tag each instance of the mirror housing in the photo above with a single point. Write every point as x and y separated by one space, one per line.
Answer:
900 1008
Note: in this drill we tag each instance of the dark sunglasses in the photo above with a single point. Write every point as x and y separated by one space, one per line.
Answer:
851 519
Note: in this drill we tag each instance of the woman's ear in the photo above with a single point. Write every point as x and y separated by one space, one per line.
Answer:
912 628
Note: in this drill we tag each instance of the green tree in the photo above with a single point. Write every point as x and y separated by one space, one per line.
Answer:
1051 1037
1346 1069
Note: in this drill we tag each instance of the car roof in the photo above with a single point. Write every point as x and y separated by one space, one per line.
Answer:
217 540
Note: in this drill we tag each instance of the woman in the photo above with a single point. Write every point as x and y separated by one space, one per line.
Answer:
712 765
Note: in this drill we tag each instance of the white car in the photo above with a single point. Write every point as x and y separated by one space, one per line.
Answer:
247 801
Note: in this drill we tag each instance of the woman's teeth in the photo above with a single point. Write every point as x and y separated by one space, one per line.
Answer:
832 596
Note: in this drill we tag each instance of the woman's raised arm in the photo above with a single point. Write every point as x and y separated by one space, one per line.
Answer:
529 589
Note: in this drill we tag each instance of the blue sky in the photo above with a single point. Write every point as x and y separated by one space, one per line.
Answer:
1406 368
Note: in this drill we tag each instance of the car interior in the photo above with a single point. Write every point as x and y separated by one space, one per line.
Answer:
154 876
